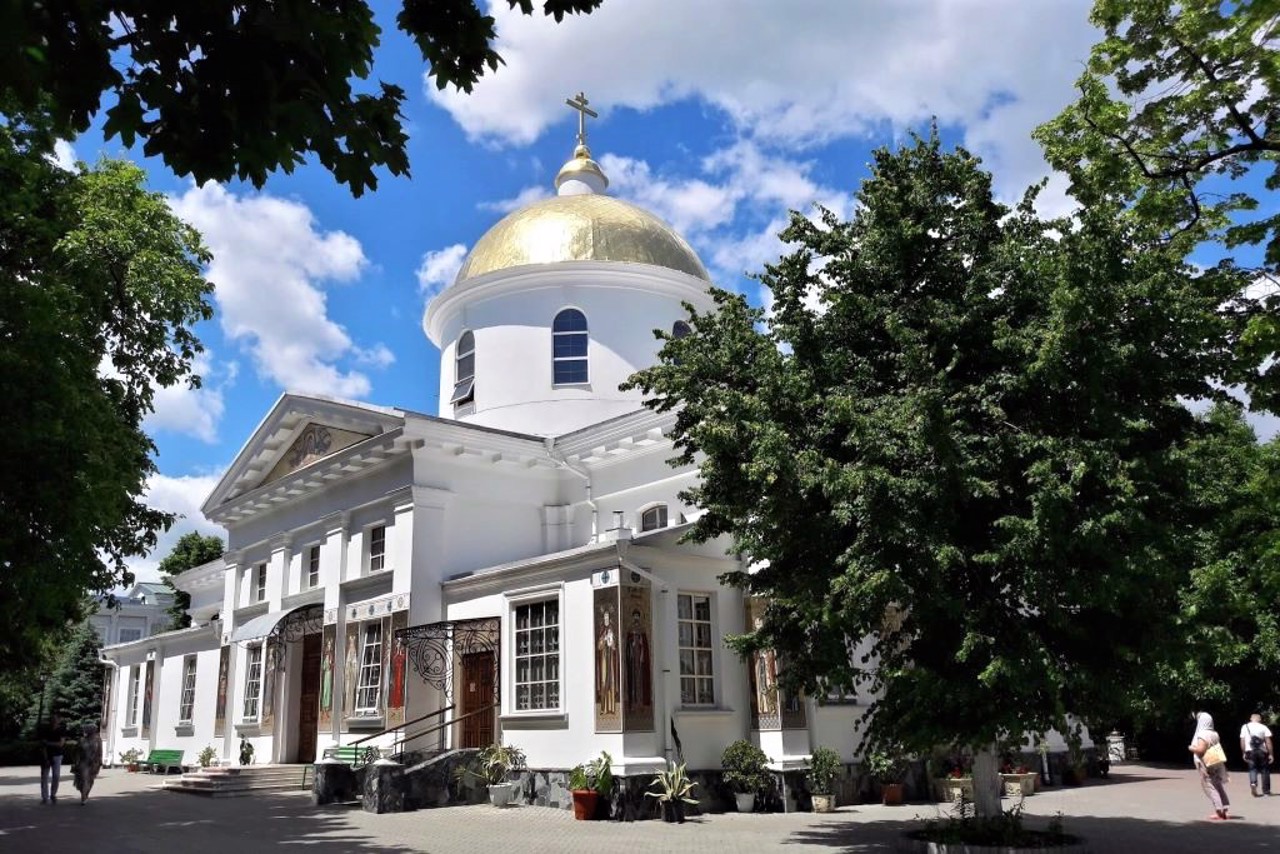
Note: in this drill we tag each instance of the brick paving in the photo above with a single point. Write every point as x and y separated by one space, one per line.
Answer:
1141 809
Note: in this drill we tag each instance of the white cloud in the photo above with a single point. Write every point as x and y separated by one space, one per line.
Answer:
193 412
270 264
181 495
796 73
527 196
64 156
439 268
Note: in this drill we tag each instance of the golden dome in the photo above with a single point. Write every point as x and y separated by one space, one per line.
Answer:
586 227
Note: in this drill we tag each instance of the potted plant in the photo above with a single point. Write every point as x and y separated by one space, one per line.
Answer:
130 758
673 789
588 782
824 767
744 772
1018 779
496 762
206 757
246 751
887 768
958 785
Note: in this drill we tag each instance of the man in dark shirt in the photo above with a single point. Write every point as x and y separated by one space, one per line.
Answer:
52 735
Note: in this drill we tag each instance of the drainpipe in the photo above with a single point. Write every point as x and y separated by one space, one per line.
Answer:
586 483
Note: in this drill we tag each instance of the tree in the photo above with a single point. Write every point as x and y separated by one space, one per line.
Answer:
192 549
100 286
240 88
953 446
1179 103
77 681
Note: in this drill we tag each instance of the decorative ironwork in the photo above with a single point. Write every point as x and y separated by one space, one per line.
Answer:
436 649
295 625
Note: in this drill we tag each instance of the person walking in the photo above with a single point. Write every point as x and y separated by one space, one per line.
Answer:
52 735
88 761
1211 763
1259 752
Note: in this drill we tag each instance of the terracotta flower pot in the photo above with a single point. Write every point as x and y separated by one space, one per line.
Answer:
584 804
891 794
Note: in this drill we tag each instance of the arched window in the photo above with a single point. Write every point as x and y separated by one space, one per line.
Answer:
680 329
464 375
569 341
654 518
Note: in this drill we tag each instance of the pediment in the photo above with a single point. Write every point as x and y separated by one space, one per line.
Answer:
298 432
315 442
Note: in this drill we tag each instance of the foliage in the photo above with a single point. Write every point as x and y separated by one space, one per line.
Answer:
1003 830
956 435
225 89
1178 103
206 756
77 681
100 286
672 784
596 774
886 765
744 770
825 766
496 761
192 549
132 756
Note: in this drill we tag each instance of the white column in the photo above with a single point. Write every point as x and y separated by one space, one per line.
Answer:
278 571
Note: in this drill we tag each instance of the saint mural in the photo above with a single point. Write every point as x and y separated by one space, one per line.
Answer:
351 671
146 700
326 678
608 679
399 658
637 655
220 706
270 657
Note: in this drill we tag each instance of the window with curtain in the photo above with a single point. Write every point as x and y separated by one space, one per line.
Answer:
537 656
253 683
464 371
188 701
654 518
368 689
697 676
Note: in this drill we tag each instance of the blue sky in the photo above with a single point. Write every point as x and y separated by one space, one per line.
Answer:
719 115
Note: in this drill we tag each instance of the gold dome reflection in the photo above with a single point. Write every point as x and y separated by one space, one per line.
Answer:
587 227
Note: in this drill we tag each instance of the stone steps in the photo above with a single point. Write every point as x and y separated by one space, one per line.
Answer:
233 782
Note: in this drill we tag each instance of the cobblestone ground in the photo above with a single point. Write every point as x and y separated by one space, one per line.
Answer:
1142 809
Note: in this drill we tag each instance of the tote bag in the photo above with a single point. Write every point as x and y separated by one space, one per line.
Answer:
1214 756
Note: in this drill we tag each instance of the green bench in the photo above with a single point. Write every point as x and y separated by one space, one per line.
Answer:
354 755
163 760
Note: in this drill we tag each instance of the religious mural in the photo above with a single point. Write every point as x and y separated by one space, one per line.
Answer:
351 671
220 705
270 655
315 442
638 655
399 652
146 699
327 662
608 678
764 676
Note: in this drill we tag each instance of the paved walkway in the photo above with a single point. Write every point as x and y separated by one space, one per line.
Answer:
1140 809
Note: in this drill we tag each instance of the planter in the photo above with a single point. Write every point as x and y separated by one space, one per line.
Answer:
673 812
824 803
584 804
132 767
1019 785
891 794
1073 776
500 794
954 789
746 801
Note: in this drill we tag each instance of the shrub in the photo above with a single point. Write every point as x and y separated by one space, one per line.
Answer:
744 770
824 767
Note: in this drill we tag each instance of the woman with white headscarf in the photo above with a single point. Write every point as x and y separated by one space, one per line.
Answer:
1213 776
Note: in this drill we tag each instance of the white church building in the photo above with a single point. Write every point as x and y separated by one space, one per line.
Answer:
508 569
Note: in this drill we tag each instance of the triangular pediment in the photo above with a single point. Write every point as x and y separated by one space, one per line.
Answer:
299 432
315 442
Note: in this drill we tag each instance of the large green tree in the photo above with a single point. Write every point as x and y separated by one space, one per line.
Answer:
1179 112
191 550
100 286
955 439
221 89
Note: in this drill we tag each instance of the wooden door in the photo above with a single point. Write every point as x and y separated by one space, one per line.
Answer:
309 701
477 694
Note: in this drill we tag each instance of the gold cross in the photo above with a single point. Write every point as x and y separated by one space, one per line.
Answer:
579 103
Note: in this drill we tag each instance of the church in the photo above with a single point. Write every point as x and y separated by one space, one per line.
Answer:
508 569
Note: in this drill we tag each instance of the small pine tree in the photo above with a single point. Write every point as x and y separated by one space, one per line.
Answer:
76 686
